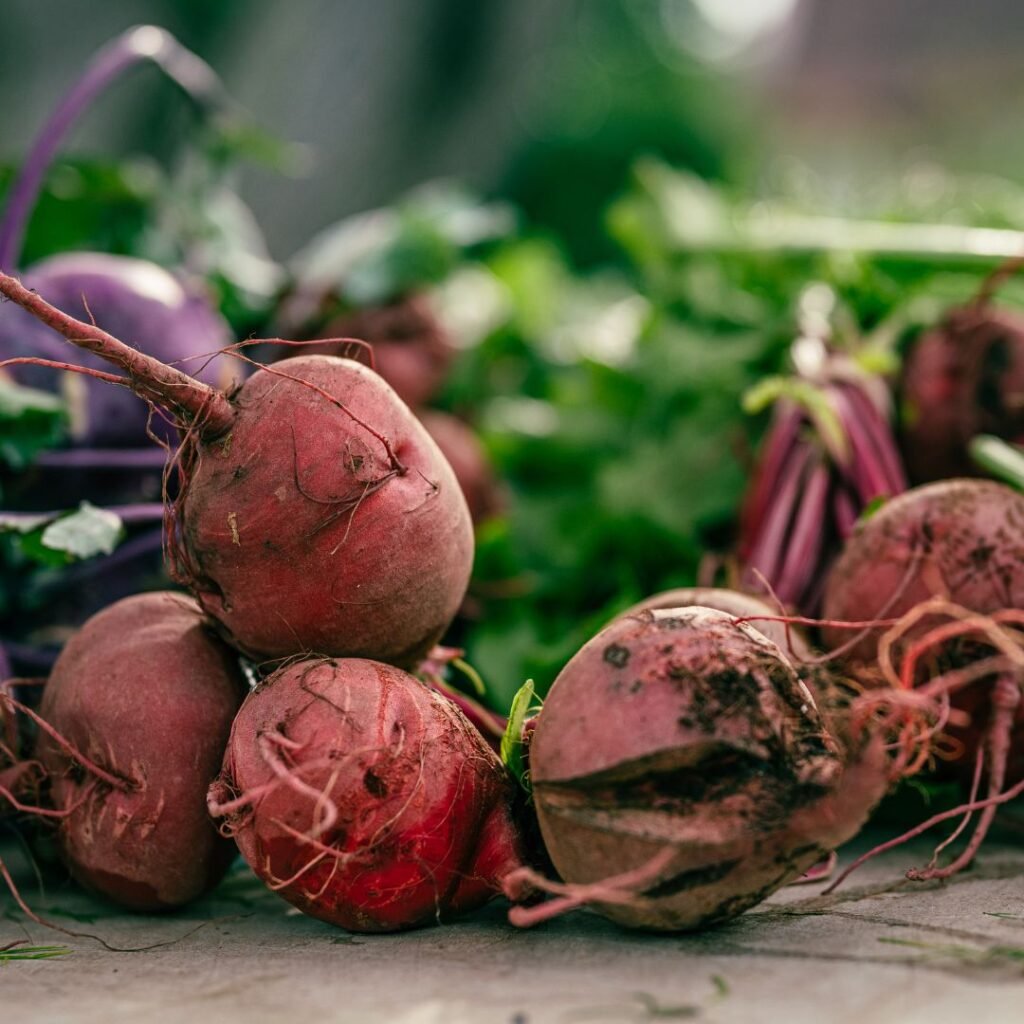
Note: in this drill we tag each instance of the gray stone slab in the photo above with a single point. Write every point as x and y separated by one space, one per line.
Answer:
880 950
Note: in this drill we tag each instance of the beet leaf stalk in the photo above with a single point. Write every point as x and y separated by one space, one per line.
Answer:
135 46
829 455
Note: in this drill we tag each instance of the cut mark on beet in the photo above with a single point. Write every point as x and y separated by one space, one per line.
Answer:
691 879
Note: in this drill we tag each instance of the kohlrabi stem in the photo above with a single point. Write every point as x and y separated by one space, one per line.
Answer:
149 378
139 44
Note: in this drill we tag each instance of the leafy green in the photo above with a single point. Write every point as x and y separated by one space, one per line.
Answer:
56 540
96 205
616 423
30 422
376 256
512 740
1000 458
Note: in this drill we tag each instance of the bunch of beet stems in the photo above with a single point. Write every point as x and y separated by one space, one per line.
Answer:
829 454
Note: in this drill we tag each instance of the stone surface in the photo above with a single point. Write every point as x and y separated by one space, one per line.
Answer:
880 950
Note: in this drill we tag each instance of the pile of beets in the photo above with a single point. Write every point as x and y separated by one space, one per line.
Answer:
694 756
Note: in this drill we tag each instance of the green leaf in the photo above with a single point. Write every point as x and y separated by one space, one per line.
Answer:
30 422
815 403
872 507
56 540
89 531
1004 461
22 952
512 741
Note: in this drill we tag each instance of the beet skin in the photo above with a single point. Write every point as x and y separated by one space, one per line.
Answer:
680 734
303 533
147 693
734 602
364 798
961 540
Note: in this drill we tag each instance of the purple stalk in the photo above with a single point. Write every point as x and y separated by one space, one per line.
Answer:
783 434
877 428
866 470
768 546
103 458
139 44
803 548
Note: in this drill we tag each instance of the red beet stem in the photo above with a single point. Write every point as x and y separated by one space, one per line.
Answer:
149 378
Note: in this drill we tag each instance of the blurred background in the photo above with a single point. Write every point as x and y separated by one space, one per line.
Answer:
519 98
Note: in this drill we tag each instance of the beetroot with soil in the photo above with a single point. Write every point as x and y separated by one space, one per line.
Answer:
962 540
962 378
139 708
717 784
365 799
947 561
315 513
763 617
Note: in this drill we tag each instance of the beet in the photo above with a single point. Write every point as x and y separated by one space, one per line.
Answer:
734 602
468 460
411 350
958 539
682 772
142 700
364 798
315 513
962 378
947 560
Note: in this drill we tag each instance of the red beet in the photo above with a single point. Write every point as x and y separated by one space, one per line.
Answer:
734 602
958 539
411 350
682 772
141 700
962 378
316 514
364 798
468 460
932 557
